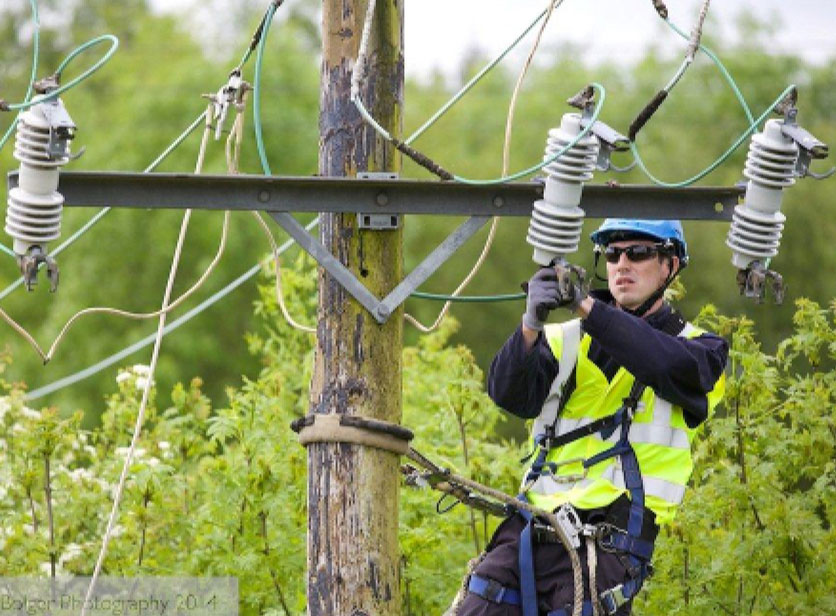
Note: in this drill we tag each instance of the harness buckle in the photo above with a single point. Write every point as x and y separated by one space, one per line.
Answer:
570 523
550 469
612 599
603 534
568 478
494 591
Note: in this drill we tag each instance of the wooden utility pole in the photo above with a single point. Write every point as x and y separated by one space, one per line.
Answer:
353 558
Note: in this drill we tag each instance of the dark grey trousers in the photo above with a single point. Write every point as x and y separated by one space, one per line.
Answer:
553 573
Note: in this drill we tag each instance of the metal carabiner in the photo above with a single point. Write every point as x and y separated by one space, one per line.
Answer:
603 531
553 466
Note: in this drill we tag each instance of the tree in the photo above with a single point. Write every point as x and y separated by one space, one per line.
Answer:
754 532
127 114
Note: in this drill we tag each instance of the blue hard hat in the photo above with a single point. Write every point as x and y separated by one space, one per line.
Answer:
616 229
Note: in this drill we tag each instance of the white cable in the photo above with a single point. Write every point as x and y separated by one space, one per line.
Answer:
358 72
279 294
148 383
693 46
140 415
149 315
506 151
232 167
76 377
47 356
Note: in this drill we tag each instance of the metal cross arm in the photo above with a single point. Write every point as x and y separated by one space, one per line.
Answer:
383 196
377 196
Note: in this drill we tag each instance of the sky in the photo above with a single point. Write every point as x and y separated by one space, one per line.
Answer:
439 33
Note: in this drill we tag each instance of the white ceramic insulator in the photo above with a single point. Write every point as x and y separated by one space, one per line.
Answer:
34 205
557 221
755 232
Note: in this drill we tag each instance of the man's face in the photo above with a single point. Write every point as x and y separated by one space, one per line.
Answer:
632 282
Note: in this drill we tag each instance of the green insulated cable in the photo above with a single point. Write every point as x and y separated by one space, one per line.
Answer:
752 127
27 102
259 57
114 45
476 78
465 299
740 98
36 45
515 176
723 70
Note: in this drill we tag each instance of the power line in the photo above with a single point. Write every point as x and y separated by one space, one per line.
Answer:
81 375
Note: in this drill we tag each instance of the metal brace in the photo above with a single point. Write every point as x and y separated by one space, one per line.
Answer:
381 310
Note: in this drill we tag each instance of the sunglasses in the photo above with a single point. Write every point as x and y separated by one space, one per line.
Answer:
635 253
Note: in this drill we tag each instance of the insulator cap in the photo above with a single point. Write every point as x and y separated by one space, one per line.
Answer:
557 221
33 217
757 224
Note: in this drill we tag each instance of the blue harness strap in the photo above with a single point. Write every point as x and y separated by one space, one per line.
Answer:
638 550
528 582
492 590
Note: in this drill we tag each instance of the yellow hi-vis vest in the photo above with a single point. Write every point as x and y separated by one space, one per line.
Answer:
658 434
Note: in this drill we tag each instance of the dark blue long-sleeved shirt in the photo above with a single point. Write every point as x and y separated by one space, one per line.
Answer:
680 370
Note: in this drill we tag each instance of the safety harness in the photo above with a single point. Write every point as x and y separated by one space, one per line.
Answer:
632 540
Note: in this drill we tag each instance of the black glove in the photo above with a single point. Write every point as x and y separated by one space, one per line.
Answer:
545 293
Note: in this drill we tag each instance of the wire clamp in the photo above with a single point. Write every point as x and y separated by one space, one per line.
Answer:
753 280
376 221
31 262
231 94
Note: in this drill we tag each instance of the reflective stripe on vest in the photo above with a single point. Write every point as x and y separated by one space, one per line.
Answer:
653 486
570 341
657 432
659 435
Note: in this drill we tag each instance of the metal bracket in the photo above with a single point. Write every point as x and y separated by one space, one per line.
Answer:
376 221
381 310
349 195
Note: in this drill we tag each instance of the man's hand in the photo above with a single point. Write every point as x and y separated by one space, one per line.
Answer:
547 292
543 296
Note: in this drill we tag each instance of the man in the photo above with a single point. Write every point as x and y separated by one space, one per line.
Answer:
616 396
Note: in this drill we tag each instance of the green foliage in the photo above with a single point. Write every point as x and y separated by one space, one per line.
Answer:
218 488
221 491
210 492
454 423
755 534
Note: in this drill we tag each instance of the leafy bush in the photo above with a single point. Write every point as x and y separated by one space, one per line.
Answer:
221 490
756 531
